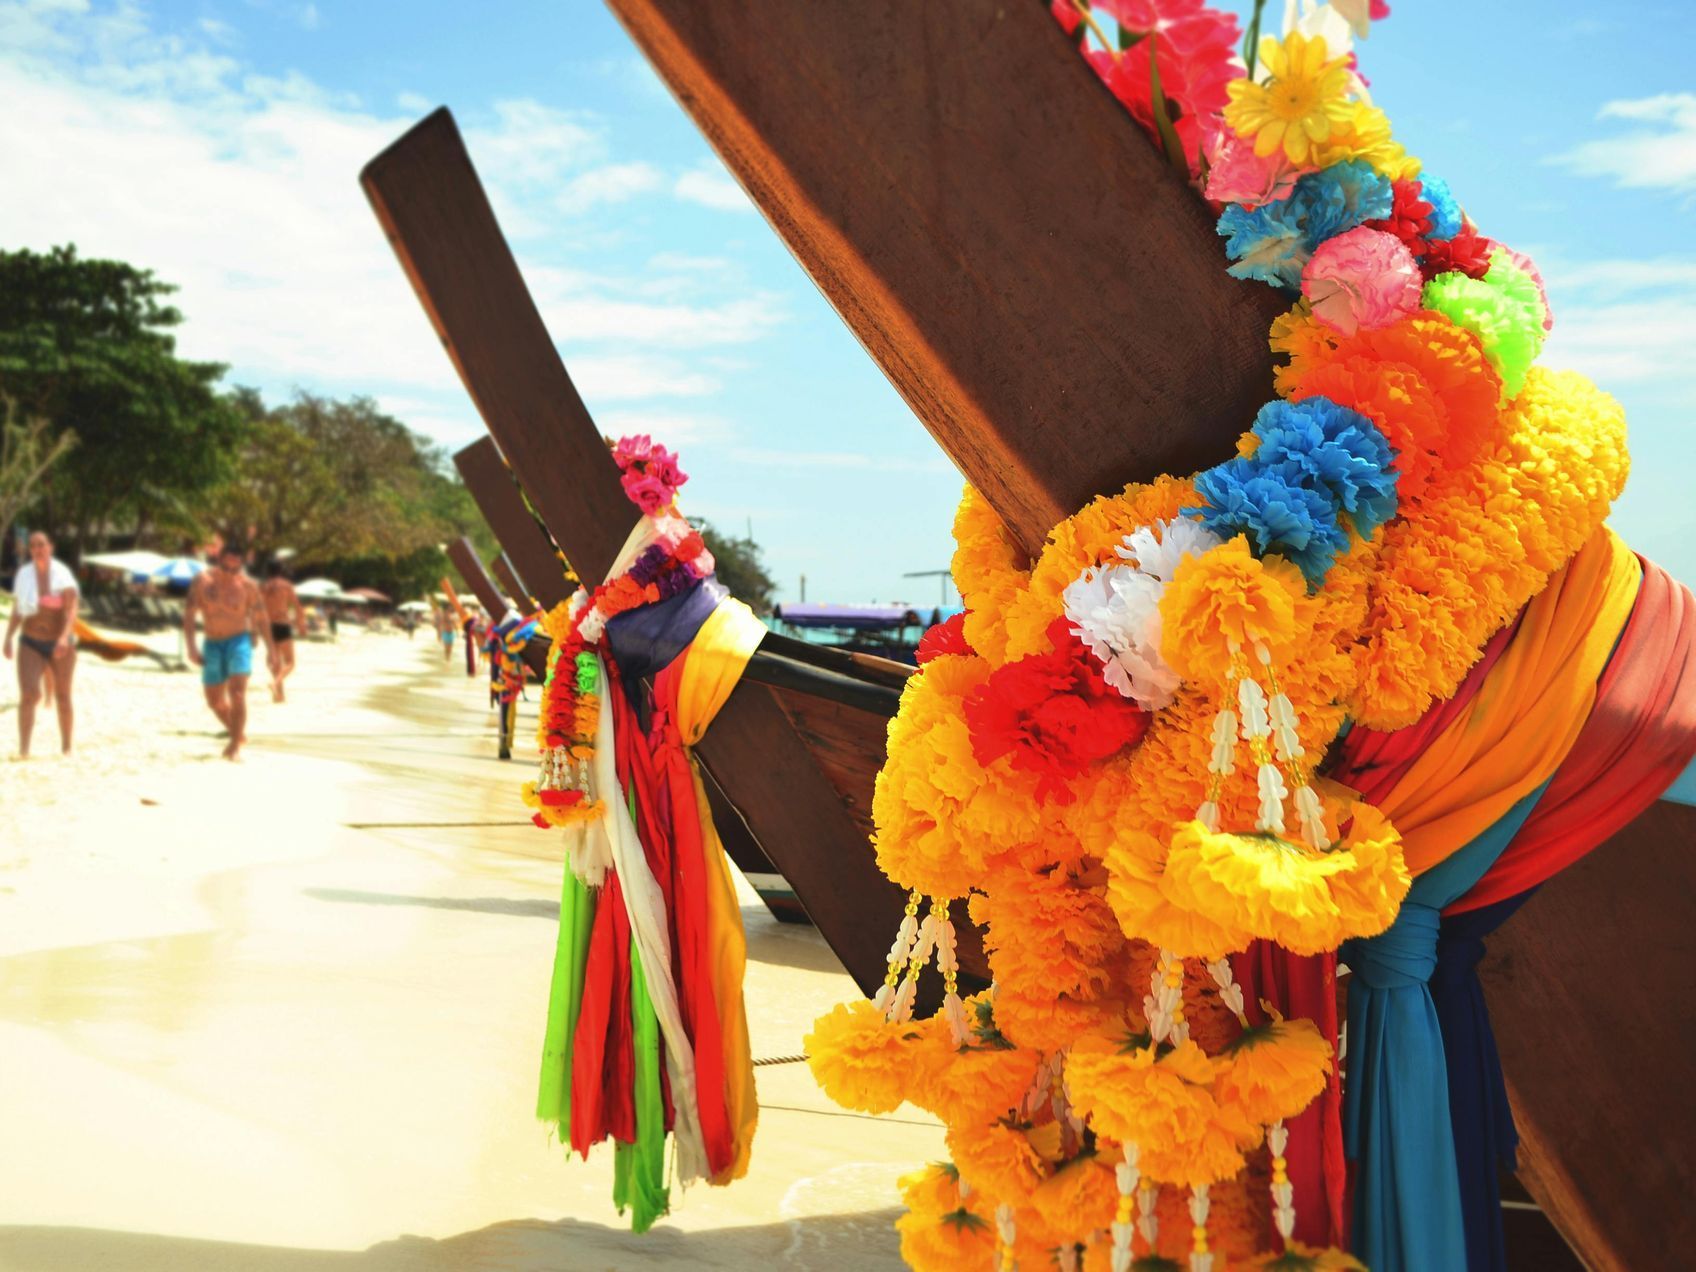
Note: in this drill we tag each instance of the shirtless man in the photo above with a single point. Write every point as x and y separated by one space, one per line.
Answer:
229 604
287 616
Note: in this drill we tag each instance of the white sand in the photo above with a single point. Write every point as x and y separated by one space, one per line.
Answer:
285 1014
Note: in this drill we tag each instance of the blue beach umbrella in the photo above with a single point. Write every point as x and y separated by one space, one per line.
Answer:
178 570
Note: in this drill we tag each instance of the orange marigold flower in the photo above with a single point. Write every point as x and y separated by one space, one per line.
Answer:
1275 1070
997 1160
862 1060
1224 601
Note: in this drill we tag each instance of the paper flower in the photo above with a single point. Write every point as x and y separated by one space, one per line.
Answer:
1238 175
1115 609
1274 1070
1335 450
1340 197
862 1060
1307 901
1504 309
1361 278
1446 216
1468 252
1052 714
1363 132
1279 515
1531 271
649 472
1226 601
1409 218
943 640
1266 243
1305 94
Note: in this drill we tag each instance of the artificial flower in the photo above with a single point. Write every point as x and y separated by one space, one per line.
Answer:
1297 1257
1274 1070
943 1227
1307 900
1304 95
648 472
943 639
1333 449
1224 601
1240 176
1467 252
1279 515
1446 216
1409 218
1081 1196
1363 132
1163 1103
1115 609
1267 243
1361 278
860 1058
1135 866
1340 197
1504 309
1529 267
998 1160
1052 714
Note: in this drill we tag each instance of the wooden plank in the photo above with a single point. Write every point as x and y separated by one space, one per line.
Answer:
488 593
1039 285
437 217
1591 993
507 577
500 499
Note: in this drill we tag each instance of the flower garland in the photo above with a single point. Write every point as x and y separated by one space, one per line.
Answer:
1115 751
674 559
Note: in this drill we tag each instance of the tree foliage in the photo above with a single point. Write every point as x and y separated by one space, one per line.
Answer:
740 568
28 449
87 346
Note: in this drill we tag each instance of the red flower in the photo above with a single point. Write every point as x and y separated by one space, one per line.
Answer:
1467 252
1409 219
1053 715
945 638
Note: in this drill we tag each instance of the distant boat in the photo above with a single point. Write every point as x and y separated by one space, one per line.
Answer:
892 631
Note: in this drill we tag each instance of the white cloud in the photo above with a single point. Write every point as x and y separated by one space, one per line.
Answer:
712 187
611 183
1658 151
414 103
151 147
674 428
1625 321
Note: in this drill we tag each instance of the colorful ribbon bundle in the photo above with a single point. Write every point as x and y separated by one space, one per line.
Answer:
646 1034
1356 689
504 646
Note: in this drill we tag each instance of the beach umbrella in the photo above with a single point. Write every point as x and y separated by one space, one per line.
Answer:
369 594
178 570
319 589
137 563
416 607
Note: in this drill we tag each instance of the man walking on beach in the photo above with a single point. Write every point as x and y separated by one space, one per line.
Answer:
229 604
286 616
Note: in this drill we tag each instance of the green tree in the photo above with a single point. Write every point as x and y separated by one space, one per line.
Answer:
87 345
28 448
350 491
740 568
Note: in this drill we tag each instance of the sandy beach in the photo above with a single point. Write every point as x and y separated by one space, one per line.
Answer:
285 1014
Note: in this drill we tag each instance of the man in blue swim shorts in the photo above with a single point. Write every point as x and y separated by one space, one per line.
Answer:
229 605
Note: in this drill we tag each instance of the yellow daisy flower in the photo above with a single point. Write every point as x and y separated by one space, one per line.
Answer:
1305 94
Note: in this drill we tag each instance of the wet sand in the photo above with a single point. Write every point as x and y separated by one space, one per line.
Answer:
285 1015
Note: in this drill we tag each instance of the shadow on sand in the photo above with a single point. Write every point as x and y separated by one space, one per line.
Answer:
864 1241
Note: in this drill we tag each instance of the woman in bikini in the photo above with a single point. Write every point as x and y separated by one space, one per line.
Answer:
44 604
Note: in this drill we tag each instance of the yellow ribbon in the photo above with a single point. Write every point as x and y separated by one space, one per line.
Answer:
713 666
1513 736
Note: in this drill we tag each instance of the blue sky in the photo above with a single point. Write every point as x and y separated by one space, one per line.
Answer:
218 142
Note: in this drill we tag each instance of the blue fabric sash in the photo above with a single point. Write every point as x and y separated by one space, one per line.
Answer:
649 638
1485 1138
1396 1113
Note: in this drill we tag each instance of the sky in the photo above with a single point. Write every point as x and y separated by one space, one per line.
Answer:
218 142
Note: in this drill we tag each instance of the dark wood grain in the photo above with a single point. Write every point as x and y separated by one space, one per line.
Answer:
431 205
500 498
1594 1003
488 594
501 567
1043 290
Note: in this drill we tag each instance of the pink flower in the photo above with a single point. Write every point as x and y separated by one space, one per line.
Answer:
1530 267
1238 175
1362 278
649 473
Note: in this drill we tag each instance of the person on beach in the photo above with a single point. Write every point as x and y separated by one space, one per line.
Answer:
228 602
44 604
445 632
287 616
471 630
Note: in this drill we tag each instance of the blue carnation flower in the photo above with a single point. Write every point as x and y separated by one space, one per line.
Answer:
1277 513
1329 448
1266 243
1341 197
1445 210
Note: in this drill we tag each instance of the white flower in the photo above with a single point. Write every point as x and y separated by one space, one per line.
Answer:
1115 609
